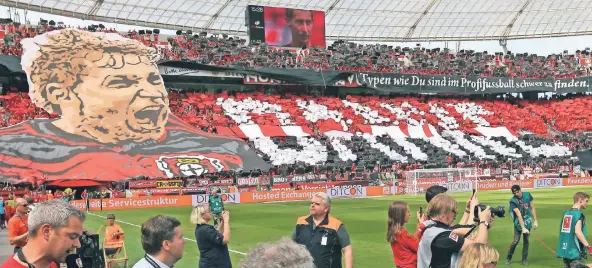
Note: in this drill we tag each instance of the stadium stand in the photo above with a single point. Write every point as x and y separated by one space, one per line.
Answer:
304 133
330 132
223 50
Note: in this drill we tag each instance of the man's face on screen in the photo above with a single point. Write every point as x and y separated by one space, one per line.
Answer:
125 104
301 26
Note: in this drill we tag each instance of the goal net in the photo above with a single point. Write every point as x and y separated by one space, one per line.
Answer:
455 179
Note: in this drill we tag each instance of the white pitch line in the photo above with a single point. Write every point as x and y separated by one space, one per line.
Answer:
135 225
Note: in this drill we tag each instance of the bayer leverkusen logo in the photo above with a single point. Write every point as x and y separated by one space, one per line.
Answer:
188 165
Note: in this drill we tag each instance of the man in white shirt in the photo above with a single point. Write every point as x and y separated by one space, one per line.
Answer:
163 242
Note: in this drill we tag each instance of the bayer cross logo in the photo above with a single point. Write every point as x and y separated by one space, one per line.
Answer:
257 23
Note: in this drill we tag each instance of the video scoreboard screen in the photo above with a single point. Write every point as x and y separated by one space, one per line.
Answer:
278 26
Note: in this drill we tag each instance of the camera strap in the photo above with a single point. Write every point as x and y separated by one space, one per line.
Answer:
22 258
472 226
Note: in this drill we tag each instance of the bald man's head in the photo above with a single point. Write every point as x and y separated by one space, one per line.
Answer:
21 206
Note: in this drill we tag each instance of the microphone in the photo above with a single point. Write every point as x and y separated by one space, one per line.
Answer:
73 261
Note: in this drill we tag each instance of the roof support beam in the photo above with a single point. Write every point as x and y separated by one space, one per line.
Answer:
331 7
425 12
215 16
508 29
95 8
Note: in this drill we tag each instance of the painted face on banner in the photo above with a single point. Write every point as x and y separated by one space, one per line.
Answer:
103 86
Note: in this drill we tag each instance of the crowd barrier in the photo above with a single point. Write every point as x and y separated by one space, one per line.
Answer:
284 195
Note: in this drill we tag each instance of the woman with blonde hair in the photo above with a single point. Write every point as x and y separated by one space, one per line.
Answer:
479 255
404 245
212 243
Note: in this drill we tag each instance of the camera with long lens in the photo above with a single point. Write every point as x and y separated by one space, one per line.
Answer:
498 211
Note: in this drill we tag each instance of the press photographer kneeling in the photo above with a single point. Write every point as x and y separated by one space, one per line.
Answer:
440 245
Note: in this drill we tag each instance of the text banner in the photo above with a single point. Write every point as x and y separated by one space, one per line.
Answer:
389 82
134 203
230 198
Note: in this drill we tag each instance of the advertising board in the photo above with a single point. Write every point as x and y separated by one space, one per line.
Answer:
229 198
548 183
459 186
319 186
169 184
577 181
334 192
333 189
504 185
276 196
134 203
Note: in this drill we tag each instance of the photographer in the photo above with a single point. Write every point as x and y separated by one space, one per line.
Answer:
431 192
523 212
467 217
440 246
211 242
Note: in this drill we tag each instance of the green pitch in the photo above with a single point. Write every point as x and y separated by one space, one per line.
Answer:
365 219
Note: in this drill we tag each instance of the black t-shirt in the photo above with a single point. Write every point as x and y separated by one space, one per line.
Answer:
443 246
439 247
212 250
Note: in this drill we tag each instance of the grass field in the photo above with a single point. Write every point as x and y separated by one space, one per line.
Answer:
365 220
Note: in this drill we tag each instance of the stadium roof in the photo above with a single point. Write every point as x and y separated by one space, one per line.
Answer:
352 20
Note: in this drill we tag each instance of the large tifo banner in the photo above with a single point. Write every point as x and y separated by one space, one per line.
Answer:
126 132
288 195
389 82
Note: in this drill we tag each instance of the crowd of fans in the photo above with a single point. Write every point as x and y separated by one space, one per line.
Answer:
341 55
551 121
347 56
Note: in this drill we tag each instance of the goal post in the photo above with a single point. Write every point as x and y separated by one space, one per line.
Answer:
455 179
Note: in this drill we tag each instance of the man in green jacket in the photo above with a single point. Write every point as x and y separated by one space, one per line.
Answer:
216 206
524 215
573 246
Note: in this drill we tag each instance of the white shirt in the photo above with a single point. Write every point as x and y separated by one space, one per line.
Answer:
143 263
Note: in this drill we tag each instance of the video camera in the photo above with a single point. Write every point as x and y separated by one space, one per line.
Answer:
498 211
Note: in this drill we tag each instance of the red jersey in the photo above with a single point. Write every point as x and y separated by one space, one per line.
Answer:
420 228
405 250
12 263
37 147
